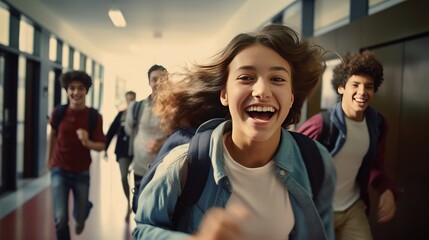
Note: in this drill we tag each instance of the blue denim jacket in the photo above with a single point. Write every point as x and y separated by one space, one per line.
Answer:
313 220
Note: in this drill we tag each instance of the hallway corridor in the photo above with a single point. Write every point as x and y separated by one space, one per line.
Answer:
27 213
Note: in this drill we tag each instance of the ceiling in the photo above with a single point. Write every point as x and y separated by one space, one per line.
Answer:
150 23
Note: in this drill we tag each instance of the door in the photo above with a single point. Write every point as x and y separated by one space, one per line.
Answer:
8 93
404 101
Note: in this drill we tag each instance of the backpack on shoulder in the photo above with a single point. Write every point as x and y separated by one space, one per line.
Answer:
199 164
62 108
137 113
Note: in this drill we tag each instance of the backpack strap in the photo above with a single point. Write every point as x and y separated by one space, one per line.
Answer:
93 115
58 115
313 161
60 111
198 170
329 132
137 113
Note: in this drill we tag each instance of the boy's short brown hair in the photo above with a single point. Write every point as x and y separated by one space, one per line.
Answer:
81 76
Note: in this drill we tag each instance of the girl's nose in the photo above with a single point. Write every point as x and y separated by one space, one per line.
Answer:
261 89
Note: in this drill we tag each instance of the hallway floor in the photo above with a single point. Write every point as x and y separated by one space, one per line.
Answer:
27 213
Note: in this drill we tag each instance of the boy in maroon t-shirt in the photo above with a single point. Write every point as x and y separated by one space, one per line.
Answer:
68 154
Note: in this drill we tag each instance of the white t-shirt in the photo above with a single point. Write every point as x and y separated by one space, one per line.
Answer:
262 193
347 163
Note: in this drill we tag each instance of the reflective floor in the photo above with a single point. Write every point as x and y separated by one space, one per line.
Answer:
27 213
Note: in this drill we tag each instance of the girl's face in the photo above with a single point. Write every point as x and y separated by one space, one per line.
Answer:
76 93
258 93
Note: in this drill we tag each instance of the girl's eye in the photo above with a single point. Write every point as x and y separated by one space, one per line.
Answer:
278 79
245 78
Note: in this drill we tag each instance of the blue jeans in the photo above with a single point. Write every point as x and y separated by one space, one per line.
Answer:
61 184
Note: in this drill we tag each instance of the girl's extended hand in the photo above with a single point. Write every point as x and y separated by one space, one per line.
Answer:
222 224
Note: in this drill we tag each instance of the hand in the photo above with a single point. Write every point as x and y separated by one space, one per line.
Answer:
153 146
386 207
83 136
222 224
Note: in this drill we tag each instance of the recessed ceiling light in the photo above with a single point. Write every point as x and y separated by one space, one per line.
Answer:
117 18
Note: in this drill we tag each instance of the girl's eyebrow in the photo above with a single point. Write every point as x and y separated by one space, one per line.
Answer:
279 68
275 68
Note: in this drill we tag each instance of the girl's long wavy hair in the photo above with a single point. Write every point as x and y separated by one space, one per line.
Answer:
194 97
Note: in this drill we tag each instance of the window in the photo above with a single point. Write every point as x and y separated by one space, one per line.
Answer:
379 5
53 49
26 36
66 56
76 60
96 86
20 124
88 66
292 16
329 95
4 25
330 14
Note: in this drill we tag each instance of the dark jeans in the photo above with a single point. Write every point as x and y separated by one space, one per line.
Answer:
61 184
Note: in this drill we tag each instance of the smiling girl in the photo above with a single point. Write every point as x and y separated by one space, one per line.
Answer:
258 187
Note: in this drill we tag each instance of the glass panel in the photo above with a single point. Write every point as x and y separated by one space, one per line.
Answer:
26 37
51 96
292 16
96 87
330 14
66 55
4 26
88 66
53 49
89 99
51 91
329 95
20 124
380 5
64 98
2 72
76 60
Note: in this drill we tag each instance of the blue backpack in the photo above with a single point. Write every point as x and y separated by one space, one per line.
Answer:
199 163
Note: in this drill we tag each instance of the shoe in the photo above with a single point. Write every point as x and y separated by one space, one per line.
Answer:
79 228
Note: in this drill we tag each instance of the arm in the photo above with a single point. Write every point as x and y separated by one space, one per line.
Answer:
158 199
129 120
380 181
99 139
326 195
312 127
113 129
